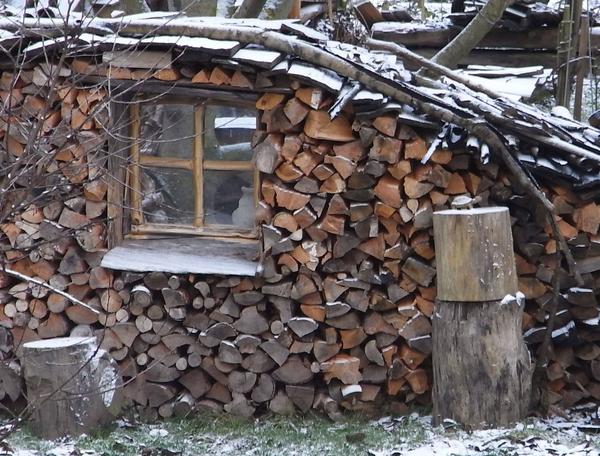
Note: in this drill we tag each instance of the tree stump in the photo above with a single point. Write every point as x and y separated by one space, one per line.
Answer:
72 385
481 366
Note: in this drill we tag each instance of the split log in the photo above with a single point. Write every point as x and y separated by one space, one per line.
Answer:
319 125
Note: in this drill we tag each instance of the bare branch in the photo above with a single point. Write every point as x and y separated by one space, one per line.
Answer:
41 283
485 19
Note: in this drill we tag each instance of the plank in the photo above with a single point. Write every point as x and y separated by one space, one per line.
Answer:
138 59
260 57
320 77
220 47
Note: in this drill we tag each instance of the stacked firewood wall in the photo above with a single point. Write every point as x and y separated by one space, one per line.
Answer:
339 318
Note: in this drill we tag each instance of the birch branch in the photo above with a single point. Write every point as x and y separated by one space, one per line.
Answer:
41 283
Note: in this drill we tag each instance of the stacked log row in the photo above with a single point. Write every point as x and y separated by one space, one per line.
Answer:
340 317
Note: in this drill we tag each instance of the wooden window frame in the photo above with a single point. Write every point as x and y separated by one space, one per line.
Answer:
196 164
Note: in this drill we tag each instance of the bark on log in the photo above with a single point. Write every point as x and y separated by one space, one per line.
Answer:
481 367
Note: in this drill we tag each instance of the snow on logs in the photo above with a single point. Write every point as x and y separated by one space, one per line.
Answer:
340 319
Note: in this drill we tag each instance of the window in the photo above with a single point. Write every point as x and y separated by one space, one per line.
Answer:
191 168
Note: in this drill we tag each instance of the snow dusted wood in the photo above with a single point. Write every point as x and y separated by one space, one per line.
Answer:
481 366
474 254
72 386
166 255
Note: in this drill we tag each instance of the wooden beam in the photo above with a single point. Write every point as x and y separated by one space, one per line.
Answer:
415 36
165 162
223 231
135 186
138 59
181 255
118 159
508 58
224 165
197 165
179 88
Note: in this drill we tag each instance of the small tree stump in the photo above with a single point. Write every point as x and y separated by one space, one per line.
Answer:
481 366
72 386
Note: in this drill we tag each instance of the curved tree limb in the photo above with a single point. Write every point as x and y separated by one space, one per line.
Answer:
436 68
249 8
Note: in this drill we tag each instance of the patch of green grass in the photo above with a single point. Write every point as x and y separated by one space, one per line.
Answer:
225 434
23 438
527 432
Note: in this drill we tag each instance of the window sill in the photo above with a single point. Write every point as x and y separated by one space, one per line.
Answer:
219 231
183 255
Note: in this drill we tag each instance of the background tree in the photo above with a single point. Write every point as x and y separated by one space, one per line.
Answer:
485 19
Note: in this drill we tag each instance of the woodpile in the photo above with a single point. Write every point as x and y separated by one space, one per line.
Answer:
340 318
528 33
519 16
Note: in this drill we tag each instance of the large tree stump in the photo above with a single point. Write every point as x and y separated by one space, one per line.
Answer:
481 367
72 386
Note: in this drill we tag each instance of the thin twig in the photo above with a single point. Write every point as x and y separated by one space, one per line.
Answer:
41 283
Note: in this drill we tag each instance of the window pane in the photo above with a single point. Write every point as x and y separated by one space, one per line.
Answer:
167 130
227 132
167 195
229 198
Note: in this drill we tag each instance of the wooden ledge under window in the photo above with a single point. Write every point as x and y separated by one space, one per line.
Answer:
184 255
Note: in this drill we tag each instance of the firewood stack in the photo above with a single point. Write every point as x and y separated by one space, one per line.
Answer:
340 317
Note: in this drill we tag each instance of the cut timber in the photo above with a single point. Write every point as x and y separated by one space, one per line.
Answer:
269 101
295 111
267 155
240 79
367 13
72 386
302 325
290 199
219 76
310 96
474 254
343 367
319 125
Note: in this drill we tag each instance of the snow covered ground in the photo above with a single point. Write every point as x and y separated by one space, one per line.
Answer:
557 436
